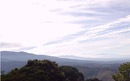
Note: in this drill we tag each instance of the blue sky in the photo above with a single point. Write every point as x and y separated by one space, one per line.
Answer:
85 28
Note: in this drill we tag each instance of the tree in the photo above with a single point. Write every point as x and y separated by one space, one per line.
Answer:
36 70
43 70
93 79
124 73
71 73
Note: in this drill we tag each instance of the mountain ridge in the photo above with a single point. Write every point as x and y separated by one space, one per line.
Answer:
11 60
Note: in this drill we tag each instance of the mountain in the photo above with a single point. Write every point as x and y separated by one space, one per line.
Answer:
100 69
113 60
10 60
72 57
8 56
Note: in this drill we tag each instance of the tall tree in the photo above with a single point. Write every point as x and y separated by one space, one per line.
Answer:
72 74
124 73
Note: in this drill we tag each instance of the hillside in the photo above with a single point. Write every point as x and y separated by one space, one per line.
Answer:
100 69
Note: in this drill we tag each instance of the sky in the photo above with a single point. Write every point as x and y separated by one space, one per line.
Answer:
84 28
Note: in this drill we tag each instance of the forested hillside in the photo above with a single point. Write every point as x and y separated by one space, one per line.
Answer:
90 69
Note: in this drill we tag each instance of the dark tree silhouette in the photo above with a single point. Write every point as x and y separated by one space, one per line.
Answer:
36 70
43 70
72 74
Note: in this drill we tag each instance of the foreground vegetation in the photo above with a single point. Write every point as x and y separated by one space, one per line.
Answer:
45 70
102 70
124 73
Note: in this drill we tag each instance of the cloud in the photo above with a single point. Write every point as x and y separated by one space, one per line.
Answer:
9 45
29 25
95 41
27 48
115 27
102 10
67 27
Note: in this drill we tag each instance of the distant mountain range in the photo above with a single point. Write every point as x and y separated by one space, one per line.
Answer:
90 68
117 60
8 56
72 57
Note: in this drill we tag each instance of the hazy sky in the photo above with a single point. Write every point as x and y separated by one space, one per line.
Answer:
85 28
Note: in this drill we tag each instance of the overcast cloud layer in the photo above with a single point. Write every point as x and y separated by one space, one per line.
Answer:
85 28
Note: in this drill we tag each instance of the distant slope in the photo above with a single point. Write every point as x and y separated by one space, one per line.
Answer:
22 56
8 56
99 69
72 57
10 60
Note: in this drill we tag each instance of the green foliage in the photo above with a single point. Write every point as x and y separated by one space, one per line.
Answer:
93 79
43 70
72 74
124 73
36 70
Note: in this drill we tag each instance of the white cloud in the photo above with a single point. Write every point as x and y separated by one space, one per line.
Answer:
91 48
28 24
37 22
